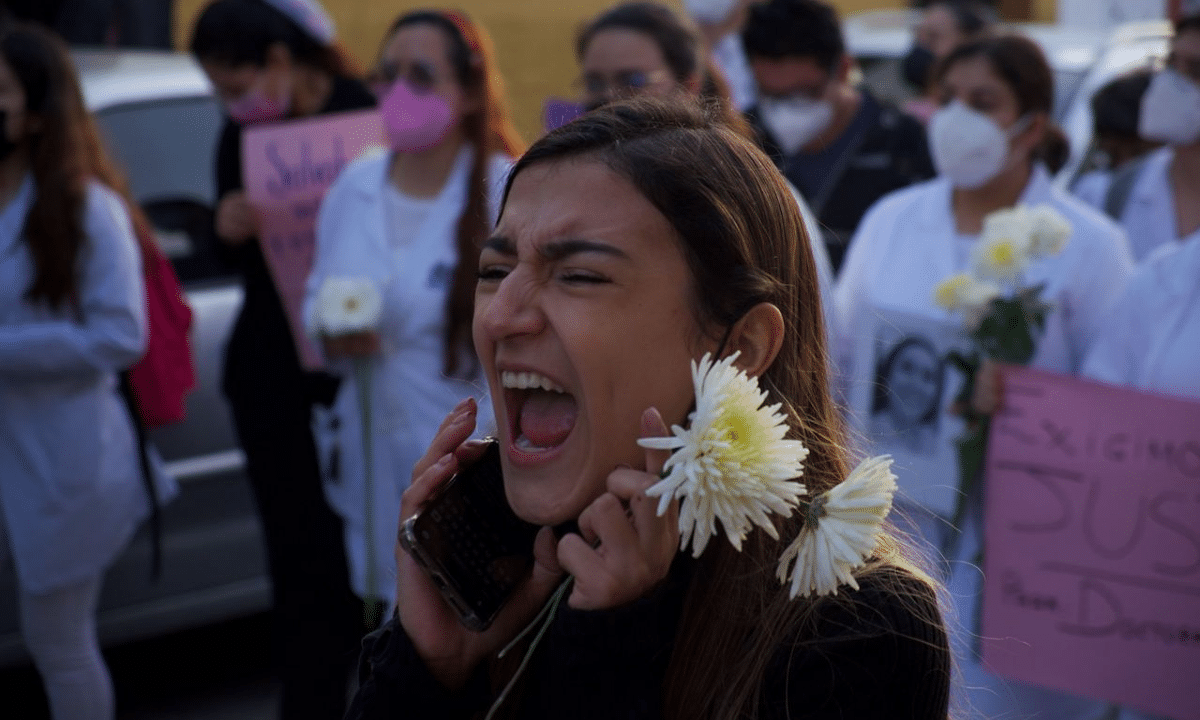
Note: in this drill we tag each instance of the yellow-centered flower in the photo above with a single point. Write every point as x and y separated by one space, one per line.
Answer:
732 463
841 531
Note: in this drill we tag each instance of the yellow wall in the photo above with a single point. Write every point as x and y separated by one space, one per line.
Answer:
533 38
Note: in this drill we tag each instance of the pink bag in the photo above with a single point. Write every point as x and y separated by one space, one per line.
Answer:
163 377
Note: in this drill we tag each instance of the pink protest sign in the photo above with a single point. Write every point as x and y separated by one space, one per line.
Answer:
1093 542
286 169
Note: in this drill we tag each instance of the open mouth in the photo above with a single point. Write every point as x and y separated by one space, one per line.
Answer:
541 413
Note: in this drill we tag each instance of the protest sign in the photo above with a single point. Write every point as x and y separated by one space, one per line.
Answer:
286 169
1093 542
898 400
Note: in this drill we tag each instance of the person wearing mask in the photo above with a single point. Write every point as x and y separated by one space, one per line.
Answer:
1116 108
994 145
646 48
411 220
273 60
631 243
841 147
1161 203
942 26
72 316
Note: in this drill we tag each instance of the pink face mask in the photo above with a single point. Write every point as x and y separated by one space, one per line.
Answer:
414 121
255 106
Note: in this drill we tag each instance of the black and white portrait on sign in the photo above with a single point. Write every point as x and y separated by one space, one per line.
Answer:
899 399
906 402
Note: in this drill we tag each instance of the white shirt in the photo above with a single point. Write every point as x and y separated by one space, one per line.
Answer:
1151 339
70 475
907 245
412 265
1149 216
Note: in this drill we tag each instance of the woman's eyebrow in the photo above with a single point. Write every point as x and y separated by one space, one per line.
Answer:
556 249
559 249
500 244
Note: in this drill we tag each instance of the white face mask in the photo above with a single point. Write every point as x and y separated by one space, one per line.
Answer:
796 120
1170 110
968 147
709 11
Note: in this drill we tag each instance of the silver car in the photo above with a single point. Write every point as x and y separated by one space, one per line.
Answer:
161 121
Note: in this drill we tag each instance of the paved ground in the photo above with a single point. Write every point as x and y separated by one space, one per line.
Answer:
217 673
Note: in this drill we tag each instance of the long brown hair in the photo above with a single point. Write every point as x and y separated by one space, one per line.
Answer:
744 240
1020 63
65 154
489 130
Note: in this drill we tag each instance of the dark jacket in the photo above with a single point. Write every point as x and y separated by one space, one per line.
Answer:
874 655
262 367
890 153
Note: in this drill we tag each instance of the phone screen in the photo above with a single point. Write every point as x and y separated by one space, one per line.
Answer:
471 543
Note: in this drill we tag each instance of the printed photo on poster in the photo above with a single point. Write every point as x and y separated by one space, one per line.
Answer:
900 395
907 397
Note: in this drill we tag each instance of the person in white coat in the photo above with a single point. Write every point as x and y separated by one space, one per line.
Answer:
991 141
1151 339
411 221
72 316
1157 199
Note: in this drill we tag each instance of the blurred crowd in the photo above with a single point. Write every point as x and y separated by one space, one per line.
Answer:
894 199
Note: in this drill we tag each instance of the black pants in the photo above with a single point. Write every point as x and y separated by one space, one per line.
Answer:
318 620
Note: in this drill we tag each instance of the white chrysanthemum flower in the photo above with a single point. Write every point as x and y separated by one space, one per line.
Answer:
1049 231
1004 247
347 305
841 530
967 294
732 463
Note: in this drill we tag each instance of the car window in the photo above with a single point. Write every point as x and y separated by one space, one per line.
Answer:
166 148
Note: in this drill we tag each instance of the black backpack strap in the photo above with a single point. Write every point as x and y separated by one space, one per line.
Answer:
1121 187
147 477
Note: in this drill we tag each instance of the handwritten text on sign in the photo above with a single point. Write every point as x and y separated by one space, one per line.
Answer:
287 167
1093 542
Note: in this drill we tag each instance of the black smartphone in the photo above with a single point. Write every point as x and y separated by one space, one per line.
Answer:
474 547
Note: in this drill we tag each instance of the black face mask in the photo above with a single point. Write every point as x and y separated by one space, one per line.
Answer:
916 66
6 145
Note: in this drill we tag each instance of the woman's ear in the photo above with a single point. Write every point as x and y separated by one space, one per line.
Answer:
1033 135
758 336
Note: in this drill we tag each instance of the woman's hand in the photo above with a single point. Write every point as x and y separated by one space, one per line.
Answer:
359 344
237 220
450 650
636 545
986 395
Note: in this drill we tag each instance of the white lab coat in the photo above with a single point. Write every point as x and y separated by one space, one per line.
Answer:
410 394
905 246
70 474
1151 340
1149 212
